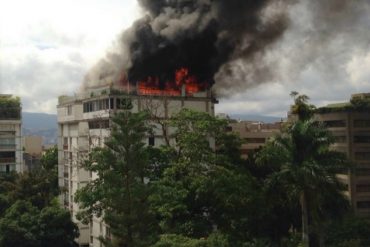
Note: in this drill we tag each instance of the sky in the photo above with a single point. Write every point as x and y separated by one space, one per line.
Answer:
46 48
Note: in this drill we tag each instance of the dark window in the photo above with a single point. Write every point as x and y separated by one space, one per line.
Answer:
363 204
124 103
363 171
362 155
361 123
100 124
69 110
361 139
335 123
229 128
7 157
151 141
363 188
111 103
7 168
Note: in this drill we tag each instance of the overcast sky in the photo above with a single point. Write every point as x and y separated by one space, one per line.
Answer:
46 47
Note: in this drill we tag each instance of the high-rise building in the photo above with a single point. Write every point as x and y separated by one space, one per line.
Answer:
11 154
84 123
349 123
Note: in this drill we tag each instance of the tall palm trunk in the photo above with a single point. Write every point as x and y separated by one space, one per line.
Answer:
305 238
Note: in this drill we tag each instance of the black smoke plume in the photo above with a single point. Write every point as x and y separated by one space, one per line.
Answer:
236 44
201 35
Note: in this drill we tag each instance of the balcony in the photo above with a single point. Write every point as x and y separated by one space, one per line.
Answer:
7 146
7 160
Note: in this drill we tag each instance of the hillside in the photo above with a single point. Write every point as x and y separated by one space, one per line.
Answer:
40 124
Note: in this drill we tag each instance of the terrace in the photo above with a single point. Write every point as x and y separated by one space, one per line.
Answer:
10 107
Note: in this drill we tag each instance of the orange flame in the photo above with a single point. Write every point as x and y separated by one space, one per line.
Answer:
184 84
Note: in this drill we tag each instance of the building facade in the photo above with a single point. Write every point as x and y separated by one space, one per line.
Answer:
84 123
254 134
350 125
11 154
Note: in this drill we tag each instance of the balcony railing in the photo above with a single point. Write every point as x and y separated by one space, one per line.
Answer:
7 146
7 160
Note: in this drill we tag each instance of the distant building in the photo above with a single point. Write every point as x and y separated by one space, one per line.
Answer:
32 151
33 145
349 122
11 154
254 134
84 122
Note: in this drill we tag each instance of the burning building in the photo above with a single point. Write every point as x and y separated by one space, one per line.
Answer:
169 60
84 123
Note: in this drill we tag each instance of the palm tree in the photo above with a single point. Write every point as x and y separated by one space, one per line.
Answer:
305 165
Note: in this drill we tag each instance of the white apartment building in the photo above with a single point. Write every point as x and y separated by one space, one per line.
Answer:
11 154
84 123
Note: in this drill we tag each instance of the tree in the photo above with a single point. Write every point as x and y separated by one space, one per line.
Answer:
203 185
24 225
306 166
349 231
29 210
120 192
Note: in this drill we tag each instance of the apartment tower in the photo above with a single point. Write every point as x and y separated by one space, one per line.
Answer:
84 123
11 154
349 123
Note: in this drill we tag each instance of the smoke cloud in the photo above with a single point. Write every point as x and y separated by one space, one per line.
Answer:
234 44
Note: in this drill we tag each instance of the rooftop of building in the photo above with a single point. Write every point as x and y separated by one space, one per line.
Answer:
358 103
10 107
103 91
256 126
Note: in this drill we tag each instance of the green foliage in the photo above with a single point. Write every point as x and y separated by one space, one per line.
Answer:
25 225
356 104
305 166
10 102
10 107
120 190
349 231
29 214
173 240
301 107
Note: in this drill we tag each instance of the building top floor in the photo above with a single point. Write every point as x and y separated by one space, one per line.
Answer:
358 103
255 126
110 90
103 102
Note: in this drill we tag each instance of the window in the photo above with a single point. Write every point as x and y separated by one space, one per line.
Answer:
335 123
99 124
7 143
124 103
361 123
363 171
361 139
69 110
107 232
363 187
363 204
111 103
151 141
362 155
